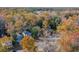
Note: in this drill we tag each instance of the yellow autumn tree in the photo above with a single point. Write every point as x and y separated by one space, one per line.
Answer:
18 25
5 43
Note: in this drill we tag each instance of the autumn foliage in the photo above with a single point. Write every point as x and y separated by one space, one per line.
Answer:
69 32
28 43
39 22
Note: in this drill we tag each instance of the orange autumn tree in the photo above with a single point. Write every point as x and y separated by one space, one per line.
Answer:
75 41
66 30
28 43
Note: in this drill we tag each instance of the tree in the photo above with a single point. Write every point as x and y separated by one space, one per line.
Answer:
6 44
40 23
67 30
28 43
18 25
2 26
65 42
35 31
54 22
